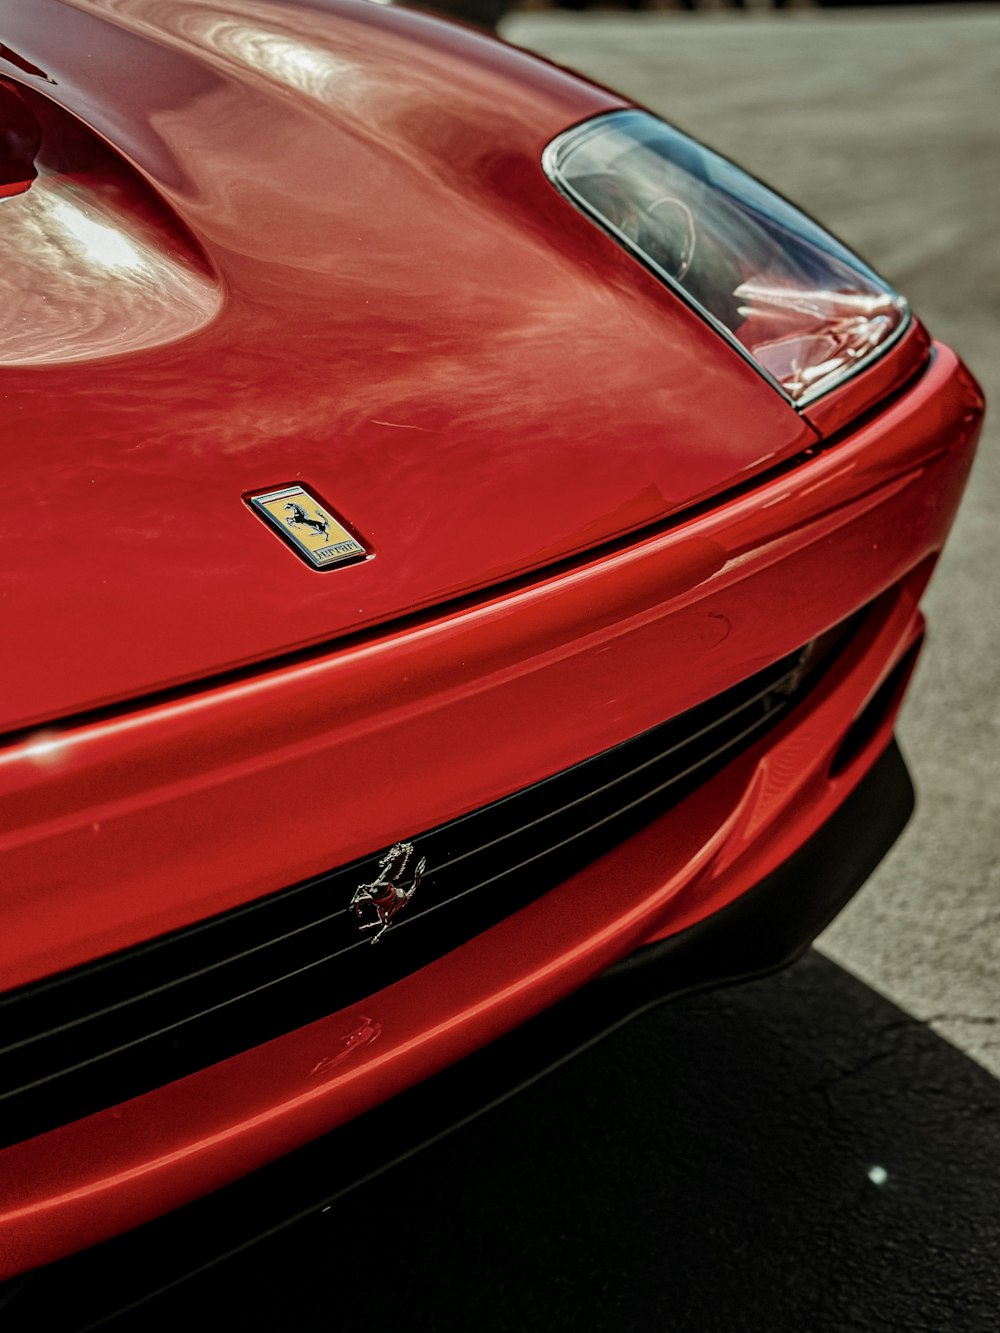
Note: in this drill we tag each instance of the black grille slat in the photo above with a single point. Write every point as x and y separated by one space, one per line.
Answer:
274 941
113 1029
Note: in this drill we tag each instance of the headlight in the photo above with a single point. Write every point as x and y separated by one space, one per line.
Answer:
807 311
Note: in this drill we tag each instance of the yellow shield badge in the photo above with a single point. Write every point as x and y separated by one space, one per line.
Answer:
308 527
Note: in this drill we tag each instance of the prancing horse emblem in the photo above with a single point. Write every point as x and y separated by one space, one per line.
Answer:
299 515
376 904
308 527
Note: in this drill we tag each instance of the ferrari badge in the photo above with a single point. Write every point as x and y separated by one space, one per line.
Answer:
374 905
308 527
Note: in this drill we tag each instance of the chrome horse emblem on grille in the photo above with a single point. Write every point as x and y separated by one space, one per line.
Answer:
375 905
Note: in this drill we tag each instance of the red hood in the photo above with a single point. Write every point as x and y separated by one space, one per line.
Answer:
349 270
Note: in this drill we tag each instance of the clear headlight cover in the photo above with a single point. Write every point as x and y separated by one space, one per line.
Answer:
805 309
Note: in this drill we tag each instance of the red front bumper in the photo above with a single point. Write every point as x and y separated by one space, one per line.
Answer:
119 829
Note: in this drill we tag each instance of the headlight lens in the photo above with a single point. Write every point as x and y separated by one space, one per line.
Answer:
805 309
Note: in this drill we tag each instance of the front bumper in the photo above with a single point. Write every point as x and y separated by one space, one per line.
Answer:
121 828
764 929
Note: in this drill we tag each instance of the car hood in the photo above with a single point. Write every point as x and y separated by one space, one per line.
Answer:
314 244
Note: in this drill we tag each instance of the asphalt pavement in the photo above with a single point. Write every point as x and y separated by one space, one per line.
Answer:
793 1154
885 124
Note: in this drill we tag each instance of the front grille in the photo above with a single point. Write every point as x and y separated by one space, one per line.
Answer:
99 1034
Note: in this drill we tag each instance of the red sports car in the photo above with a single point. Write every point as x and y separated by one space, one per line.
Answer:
459 534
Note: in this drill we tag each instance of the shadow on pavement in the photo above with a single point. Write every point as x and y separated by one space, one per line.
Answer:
795 1153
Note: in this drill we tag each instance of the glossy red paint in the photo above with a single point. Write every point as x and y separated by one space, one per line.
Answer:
134 825
384 385
526 428
618 642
